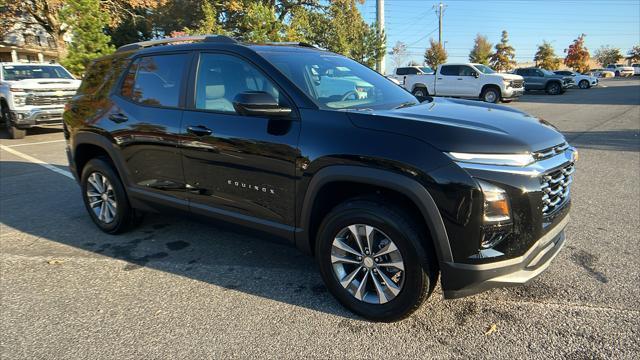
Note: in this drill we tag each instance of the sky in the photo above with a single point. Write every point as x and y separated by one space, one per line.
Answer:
606 22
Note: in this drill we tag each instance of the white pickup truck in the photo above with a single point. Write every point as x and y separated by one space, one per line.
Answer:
465 80
620 70
33 94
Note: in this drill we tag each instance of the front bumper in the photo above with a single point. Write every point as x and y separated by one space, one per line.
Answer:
471 279
512 93
26 118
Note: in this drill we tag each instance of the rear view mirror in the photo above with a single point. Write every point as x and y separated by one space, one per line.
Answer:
258 103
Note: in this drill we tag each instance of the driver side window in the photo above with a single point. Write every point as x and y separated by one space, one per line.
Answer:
221 78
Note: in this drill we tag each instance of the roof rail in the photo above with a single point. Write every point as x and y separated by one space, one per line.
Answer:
165 41
296 43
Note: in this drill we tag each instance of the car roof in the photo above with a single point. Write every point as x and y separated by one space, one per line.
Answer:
28 64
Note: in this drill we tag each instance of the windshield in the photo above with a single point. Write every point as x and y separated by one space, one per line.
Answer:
21 72
334 82
484 69
427 70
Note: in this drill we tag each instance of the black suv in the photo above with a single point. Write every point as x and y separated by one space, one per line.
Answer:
387 193
542 79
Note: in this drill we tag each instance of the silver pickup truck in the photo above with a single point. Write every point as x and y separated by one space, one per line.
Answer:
33 94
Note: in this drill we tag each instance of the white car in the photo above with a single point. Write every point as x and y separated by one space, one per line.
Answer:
33 94
636 69
620 70
466 80
601 73
581 81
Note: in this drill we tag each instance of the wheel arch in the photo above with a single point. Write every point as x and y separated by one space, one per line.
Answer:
88 145
490 86
419 85
372 178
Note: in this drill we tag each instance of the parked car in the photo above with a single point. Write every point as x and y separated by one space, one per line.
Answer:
620 70
601 73
33 94
466 80
582 81
542 79
401 73
388 194
636 69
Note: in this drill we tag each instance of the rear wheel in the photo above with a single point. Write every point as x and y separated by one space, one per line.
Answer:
583 84
553 88
105 198
490 95
420 92
371 259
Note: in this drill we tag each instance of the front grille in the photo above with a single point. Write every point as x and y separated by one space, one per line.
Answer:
47 99
550 152
555 188
517 84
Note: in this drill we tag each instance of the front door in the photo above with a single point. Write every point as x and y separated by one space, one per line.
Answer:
238 165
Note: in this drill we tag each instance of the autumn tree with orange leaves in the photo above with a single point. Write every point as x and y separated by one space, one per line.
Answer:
578 55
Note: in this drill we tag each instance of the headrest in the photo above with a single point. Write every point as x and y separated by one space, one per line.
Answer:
214 91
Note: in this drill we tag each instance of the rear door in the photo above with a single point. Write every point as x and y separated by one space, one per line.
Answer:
447 83
468 84
146 122
236 166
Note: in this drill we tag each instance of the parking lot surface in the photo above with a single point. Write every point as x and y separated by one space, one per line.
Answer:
180 288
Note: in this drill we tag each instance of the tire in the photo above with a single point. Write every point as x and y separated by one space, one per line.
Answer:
14 132
123 216
584 84
388 222
490 95
420 91
553 88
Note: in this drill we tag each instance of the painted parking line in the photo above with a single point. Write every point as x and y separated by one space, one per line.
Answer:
37 161
35 143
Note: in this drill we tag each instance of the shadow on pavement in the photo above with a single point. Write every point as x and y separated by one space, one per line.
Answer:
33 131
209 252
616 140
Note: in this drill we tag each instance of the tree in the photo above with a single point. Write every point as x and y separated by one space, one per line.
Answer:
607 55
398 53
578 55
634 53
503 58
413 63
481 52
87 23
260 24
435 54
546 57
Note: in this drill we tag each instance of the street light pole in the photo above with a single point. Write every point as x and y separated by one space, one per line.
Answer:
380 21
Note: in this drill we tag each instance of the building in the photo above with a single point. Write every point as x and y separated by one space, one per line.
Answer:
27 41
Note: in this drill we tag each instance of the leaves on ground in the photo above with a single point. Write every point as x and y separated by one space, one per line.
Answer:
55 262
491 329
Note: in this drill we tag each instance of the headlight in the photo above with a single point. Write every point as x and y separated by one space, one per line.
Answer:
496 203
494 159
506 83
19 100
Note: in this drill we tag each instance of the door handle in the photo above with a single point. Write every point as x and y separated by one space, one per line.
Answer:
118 118
460 79
199 130
439 78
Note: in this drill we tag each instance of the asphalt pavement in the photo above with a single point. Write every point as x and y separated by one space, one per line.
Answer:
179 288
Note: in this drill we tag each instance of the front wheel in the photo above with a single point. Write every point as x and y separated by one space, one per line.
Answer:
105 198
420 92
490 95
554 88
583 84
14 132
372 260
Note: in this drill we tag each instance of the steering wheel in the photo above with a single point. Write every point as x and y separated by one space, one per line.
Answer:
349 93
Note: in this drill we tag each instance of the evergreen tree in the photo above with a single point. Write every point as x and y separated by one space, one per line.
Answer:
481 52
577 55
87 23
435 54
503 58
546 57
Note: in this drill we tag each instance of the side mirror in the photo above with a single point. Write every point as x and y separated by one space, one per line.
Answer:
258 103
476 75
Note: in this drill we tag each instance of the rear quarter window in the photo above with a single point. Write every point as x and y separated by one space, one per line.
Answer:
102 75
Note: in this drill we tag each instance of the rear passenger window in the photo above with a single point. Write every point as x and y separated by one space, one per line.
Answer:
155 80
401 71
449 70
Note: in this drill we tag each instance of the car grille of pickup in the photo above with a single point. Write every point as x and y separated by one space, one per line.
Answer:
555 188
517 84
47 99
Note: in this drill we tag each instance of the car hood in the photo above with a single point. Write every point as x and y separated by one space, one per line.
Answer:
37 84
508 76
465 126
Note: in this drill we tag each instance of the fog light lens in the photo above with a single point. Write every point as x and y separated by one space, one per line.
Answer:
496 203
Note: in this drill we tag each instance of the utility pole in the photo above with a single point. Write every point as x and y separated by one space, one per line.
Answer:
439 11
380 21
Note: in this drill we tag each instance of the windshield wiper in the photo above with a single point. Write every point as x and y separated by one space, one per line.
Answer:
405 104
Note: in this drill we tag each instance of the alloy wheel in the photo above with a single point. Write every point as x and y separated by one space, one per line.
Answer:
490 96
102 198
367 263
